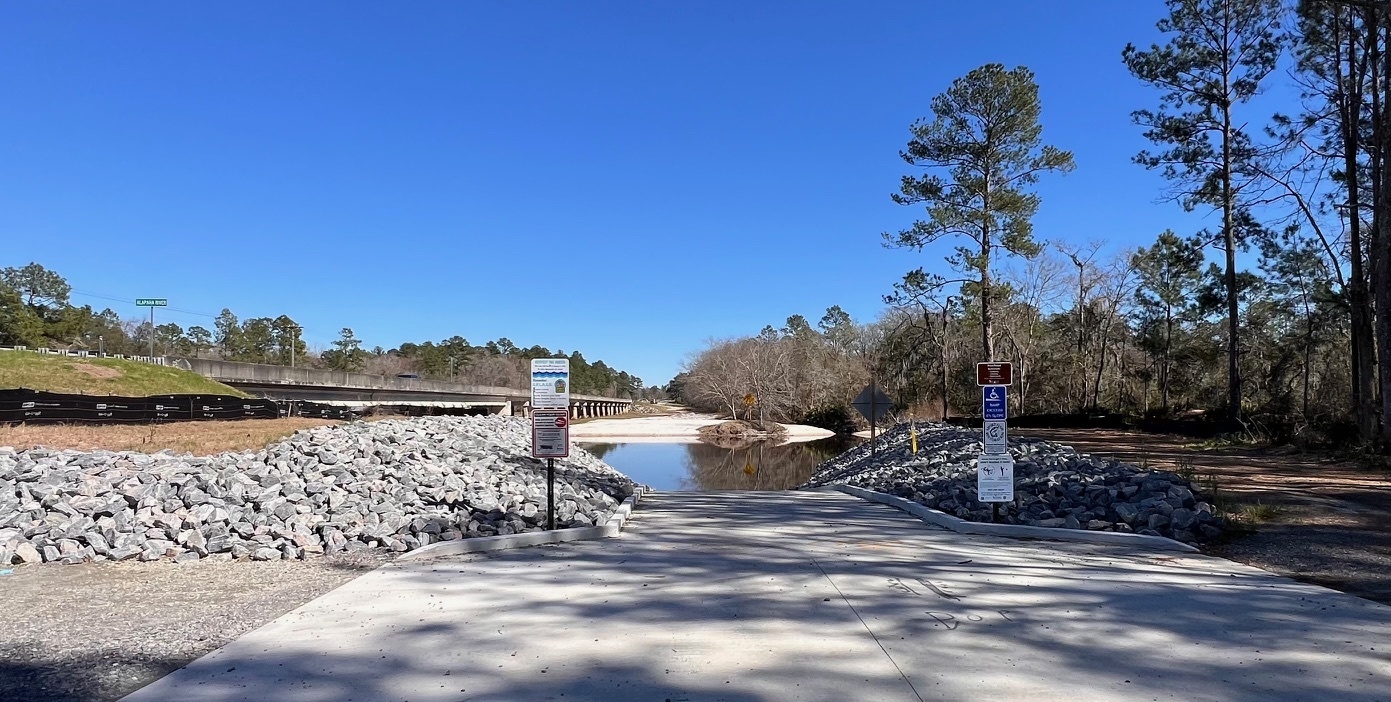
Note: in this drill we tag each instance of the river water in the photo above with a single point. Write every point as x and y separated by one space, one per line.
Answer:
701 466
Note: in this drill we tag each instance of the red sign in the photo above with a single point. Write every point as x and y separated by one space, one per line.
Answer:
995 373
560 422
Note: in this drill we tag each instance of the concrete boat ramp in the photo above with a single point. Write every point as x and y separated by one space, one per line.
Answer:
746 597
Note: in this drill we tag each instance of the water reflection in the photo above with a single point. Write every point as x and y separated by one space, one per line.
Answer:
702 466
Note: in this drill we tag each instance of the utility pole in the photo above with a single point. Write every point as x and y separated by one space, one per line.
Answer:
294 341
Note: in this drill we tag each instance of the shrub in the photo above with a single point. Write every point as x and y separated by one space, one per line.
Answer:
837 418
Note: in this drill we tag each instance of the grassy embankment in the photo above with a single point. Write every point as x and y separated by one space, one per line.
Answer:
110 376
102 376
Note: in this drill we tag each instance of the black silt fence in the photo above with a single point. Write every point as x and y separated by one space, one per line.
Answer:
36 407
313 410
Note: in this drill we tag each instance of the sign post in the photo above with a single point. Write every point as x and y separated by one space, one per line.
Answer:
550 420
873 404
995 468
152 303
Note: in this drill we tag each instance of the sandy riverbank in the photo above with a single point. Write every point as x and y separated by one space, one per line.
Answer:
676 428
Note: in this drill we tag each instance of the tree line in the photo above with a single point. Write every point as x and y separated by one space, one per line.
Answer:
36 311
1276 320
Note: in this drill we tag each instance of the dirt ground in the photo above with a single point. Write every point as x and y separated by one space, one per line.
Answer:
99 631
1330 523
198 438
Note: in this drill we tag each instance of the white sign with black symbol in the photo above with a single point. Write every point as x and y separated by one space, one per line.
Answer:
995 478
996 436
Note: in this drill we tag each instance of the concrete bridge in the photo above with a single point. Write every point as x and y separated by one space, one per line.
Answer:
359 389
364 390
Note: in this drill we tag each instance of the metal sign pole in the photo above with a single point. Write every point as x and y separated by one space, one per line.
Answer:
550 494
873 417
152 331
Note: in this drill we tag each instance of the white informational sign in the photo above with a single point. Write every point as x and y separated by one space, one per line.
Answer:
996 436
550 384
995 478
550 433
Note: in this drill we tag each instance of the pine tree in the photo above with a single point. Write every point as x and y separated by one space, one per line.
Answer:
1170 273
986 137
1217 58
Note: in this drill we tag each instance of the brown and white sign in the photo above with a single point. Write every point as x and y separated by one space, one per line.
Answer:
995 373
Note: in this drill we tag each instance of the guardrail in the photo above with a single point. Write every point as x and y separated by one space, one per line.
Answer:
81 353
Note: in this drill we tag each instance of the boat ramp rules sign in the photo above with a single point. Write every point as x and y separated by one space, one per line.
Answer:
550 407
550 433
994 402
995 478
550 420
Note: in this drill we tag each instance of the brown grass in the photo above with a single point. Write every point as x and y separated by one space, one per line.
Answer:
198 438
96 371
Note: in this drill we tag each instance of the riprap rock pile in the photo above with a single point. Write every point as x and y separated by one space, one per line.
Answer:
1055 486
397 485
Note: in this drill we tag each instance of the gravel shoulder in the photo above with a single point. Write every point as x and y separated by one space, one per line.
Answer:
1331 522
98 631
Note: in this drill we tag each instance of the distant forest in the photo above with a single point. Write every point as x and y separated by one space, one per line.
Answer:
35 311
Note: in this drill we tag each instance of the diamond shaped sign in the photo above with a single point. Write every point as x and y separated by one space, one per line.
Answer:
872 403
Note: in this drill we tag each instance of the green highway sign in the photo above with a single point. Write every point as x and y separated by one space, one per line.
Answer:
151 302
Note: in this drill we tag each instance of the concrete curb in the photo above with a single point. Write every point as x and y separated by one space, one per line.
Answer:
1018 531
612 527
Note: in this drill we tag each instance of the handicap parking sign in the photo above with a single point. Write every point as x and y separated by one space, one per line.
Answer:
993 402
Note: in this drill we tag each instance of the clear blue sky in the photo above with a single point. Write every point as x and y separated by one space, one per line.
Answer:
624 178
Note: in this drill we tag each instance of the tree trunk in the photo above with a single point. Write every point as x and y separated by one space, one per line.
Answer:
1349 96
1308 350
1381 238
945 308
986 323
1229 242
1168 349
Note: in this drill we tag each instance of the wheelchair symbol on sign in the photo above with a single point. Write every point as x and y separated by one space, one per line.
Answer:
994 394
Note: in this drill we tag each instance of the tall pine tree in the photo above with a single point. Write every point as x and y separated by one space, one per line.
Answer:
1219 54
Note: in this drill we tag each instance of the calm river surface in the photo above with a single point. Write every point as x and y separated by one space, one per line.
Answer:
761 466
